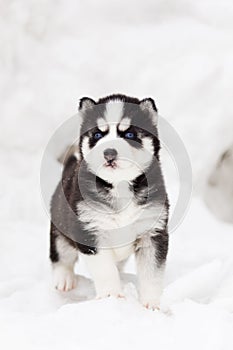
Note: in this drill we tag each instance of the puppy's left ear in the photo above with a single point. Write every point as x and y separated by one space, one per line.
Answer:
86 103
148 104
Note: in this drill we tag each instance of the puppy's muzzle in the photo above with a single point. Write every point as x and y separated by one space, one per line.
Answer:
110 155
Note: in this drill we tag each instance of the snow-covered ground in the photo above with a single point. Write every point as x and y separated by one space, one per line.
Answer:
51 54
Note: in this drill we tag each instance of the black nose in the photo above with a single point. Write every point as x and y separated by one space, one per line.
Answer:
110 154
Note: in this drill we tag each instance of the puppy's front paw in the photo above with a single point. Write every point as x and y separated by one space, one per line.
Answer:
109 292
150 301
64 279
151 304
150 295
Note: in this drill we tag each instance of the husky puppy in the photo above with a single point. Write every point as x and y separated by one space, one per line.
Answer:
111 201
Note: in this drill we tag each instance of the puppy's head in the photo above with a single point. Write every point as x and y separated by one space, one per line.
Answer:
119 138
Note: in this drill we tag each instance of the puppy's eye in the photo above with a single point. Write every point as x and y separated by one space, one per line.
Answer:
129 135
98 135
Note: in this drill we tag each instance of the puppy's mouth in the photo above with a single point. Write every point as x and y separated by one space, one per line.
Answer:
111 164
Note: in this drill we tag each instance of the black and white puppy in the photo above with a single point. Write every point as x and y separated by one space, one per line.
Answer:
111 201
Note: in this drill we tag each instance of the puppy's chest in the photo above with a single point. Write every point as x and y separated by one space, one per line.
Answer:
122 217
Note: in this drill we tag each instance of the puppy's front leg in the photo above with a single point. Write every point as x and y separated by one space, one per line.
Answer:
104 272
150 258
63 257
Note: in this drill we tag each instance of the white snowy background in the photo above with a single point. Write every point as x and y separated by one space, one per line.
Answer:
52 53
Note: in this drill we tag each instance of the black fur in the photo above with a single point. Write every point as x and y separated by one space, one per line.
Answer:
64 214
54 256
154 191
92 140
119 97
161 246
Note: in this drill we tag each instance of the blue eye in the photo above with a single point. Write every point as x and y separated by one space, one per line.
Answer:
129 135
98 135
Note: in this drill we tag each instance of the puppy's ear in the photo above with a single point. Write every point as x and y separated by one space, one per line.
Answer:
86 103
148 104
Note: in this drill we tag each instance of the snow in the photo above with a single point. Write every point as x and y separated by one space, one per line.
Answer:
51 54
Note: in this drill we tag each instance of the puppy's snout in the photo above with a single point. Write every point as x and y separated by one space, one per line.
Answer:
110 154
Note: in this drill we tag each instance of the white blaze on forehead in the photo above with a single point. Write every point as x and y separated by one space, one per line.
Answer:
111 135
102 124
114 111
124 124
113 131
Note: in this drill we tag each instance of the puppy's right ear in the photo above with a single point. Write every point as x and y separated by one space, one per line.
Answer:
86 103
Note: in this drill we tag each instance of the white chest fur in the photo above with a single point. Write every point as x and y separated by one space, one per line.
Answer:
122 225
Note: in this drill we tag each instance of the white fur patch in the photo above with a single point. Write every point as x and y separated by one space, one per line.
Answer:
102 125
85 146
114 111
150 284
77 155
148 144
124 124
63 277
104 272
67 254
123 253
63 271
150 277
112 132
